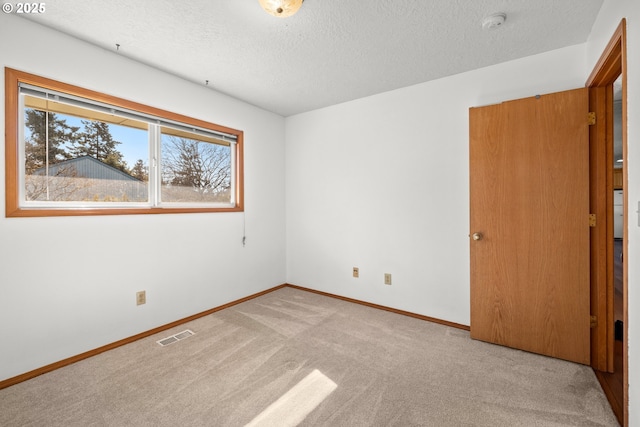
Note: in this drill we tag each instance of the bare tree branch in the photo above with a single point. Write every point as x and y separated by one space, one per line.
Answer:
201 167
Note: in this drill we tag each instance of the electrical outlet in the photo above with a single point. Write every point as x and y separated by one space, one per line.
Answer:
387 278
356 272
141 297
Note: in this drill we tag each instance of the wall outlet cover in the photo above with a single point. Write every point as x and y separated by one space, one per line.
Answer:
141 297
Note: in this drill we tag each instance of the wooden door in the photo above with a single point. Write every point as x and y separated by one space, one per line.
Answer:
529 187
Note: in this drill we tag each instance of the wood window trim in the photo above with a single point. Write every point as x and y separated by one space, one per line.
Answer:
12 203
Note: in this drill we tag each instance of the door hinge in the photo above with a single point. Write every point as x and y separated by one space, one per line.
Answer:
594 321
591 118
592 220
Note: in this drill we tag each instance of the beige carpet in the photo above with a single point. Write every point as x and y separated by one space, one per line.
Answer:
293 357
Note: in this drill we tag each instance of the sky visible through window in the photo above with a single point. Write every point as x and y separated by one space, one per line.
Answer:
134 142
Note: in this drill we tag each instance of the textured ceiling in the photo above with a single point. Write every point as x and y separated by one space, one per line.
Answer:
330 52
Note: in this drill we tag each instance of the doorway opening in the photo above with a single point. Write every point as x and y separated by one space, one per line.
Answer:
608 178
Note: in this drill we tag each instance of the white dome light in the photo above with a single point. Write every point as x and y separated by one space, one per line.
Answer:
281 8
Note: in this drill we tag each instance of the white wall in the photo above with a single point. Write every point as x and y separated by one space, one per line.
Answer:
608 20
67 285
381 183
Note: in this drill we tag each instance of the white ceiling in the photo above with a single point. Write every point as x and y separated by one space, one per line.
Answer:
330 52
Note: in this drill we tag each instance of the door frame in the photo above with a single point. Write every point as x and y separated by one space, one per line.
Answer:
611 65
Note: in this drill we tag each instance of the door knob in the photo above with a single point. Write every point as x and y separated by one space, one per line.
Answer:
477 236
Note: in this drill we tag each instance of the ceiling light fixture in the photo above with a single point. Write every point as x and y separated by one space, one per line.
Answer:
281 8
494 21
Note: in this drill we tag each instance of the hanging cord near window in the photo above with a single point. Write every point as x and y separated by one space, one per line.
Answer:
244 229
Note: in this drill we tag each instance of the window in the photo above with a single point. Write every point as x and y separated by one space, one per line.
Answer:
71 151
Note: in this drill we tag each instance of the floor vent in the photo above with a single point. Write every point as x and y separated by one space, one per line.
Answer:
175 338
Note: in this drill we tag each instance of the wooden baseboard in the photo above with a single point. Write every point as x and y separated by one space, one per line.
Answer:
62 363
382 307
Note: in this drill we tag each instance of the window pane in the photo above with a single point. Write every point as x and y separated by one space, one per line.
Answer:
194 168
80 152
77 155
